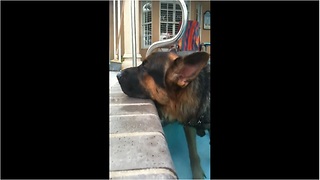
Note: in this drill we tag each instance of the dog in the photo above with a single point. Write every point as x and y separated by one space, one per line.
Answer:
180 89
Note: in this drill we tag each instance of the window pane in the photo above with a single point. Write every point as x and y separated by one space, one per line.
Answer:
145 17
149 42
149 29
163 28
146 6
164 6
176 28
178 7
148 16
170 6
170 16
149 34
163 15
145 29
178 16
170 28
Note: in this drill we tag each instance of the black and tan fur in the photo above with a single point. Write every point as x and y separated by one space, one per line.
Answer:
180 88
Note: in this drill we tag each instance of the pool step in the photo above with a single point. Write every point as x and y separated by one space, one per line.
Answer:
138 149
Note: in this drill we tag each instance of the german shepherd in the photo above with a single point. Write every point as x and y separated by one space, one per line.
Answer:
180 88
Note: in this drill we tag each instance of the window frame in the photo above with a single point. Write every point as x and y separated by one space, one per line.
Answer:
143 24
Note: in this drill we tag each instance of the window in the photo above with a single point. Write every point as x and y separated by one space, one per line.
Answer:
170 16
146 24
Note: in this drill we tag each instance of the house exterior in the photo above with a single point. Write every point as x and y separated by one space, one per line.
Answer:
155 20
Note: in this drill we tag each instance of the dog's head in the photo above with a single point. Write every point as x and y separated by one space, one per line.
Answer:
161 75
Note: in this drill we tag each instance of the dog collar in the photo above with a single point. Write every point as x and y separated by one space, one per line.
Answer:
199 122
200 119
200 125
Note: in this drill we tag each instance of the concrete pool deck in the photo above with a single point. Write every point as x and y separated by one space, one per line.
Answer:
112 78
138 148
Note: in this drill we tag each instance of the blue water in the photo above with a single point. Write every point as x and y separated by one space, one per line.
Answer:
179 151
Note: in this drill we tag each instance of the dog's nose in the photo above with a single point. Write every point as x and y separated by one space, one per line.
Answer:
119 75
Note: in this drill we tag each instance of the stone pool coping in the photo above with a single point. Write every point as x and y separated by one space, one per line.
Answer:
138 148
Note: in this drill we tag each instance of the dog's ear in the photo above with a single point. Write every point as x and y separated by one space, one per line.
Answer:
186 69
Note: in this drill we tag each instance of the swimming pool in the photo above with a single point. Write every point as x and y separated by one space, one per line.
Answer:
179 151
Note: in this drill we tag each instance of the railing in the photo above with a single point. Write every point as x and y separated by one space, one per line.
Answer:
133 31
177 36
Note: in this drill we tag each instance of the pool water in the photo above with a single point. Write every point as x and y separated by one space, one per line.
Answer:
179 151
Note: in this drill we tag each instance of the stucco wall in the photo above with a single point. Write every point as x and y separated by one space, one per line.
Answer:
205 34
